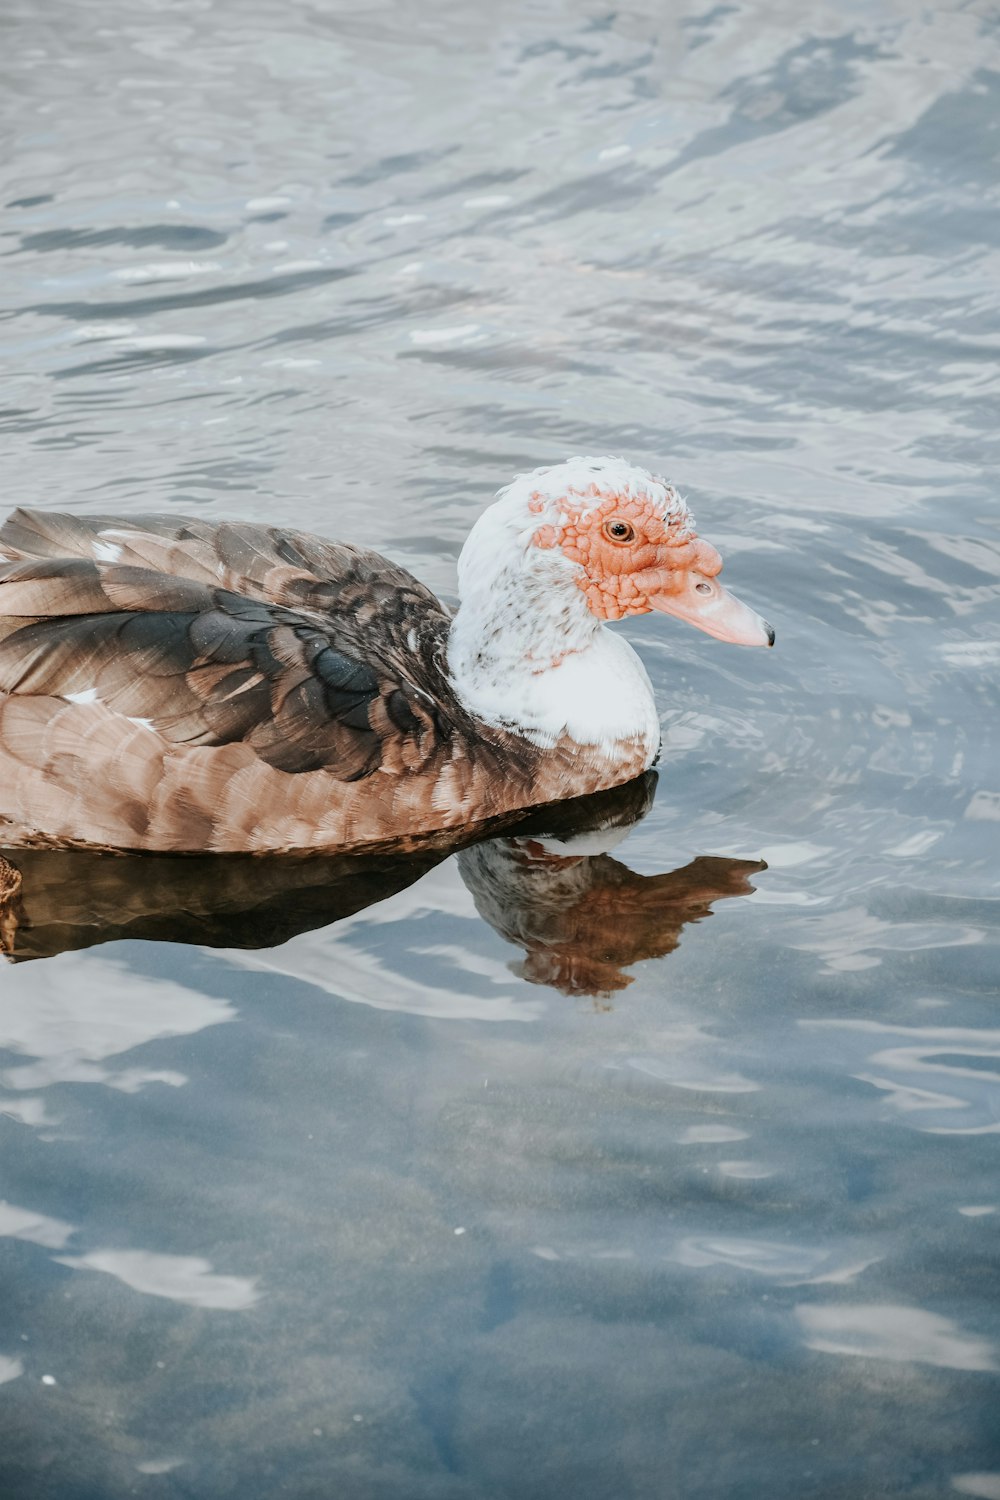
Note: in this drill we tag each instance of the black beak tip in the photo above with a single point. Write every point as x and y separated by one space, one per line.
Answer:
770 633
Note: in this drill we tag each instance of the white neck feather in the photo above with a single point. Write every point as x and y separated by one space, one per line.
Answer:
525 651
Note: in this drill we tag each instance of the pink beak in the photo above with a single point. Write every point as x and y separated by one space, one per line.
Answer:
702 601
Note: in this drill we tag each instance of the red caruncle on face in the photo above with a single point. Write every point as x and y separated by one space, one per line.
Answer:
628 553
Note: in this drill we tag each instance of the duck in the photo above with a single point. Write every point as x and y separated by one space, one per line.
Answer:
178 685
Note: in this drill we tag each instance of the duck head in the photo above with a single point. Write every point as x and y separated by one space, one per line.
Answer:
626 541
561 552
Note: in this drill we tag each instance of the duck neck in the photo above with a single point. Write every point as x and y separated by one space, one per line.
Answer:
525 653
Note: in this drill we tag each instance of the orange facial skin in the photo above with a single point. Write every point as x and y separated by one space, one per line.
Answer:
621 574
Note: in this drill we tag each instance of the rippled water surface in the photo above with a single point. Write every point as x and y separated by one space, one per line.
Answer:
524 1181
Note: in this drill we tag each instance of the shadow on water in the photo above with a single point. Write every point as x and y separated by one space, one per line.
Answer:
549 886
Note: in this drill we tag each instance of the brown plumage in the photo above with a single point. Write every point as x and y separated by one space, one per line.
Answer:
291 694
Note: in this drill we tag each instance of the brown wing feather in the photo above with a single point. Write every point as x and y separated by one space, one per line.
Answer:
204 664
374 602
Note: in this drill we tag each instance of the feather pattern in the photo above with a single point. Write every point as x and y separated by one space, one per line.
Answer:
167 683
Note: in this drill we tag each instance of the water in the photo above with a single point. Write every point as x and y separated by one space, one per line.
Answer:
499 1186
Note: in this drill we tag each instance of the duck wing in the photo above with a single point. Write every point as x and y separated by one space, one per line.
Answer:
373 602
329 682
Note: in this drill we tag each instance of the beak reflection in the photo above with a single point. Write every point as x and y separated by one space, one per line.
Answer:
582 917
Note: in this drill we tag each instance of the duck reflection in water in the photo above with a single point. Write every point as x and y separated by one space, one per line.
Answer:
548 885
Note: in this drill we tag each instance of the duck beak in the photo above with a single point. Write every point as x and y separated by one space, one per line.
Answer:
702 601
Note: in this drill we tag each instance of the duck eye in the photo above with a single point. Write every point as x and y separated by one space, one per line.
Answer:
619 531
703 588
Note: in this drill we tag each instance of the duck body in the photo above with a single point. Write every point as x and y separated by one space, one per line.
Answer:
175 685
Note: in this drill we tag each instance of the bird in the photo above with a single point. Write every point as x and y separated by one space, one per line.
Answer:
173 684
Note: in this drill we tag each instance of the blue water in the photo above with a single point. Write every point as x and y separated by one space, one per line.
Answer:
477 1192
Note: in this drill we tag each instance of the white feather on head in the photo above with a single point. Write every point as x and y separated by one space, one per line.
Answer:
526 652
